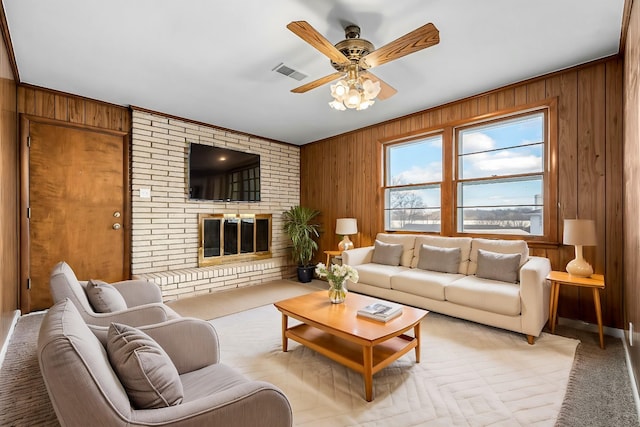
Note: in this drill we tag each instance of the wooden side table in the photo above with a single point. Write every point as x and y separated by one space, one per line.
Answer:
595 282
329 254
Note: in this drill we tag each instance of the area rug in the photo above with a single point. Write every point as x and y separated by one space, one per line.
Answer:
469 375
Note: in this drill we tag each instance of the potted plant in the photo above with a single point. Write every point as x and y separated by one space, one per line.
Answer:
300 229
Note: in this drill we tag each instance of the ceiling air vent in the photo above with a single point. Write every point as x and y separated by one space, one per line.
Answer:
289 72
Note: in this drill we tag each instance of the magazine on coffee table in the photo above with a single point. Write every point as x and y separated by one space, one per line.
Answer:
381 310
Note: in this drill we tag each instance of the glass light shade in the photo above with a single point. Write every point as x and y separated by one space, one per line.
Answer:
353 99
337 105
370 89
365 104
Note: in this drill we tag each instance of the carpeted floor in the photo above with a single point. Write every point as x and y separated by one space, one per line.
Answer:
599 392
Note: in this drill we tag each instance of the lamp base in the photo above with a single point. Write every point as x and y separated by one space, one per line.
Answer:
345 244
580 268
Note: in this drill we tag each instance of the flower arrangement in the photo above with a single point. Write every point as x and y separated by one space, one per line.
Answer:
337 276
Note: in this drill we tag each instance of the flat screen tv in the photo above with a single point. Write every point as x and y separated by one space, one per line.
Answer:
222 174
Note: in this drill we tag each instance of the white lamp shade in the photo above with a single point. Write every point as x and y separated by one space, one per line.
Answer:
580 232
346 226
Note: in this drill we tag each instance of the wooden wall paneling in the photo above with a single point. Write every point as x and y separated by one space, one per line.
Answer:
45 104
536 90
614 232
468 108
61 108
591 170
520 95
632 184
581 116
505 98
76 111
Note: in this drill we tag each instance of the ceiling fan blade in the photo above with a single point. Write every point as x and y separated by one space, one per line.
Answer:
386 91
309 34
317 83
418 39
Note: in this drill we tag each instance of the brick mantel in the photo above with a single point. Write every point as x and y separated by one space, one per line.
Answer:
165 226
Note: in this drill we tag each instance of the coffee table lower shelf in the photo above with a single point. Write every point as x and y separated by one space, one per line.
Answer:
365 358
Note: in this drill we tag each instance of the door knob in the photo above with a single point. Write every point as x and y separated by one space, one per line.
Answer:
116 214
116 226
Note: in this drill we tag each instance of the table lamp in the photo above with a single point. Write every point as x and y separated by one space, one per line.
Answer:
345 227
579 232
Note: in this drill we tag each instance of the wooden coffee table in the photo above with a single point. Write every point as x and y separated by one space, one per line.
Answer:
360 344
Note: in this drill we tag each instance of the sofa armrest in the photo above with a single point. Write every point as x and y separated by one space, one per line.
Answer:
135 316
191 343
535 292
357 256
249 403
138 292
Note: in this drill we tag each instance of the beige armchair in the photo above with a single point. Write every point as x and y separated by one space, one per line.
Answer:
143 299
85 389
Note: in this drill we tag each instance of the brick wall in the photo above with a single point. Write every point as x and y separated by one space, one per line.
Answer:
165 226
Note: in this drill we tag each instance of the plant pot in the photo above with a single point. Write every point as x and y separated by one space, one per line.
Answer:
305 274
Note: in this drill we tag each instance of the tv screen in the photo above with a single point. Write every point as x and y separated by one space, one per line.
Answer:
222 174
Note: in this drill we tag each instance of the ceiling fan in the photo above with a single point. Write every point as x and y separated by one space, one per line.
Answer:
353 57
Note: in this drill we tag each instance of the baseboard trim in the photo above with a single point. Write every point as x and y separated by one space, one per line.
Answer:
5 345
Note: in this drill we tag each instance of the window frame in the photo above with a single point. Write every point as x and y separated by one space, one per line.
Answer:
449 184
421 185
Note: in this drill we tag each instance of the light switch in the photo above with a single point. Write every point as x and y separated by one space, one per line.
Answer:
145 193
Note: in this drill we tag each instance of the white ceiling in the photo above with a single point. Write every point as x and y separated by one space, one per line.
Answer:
212 60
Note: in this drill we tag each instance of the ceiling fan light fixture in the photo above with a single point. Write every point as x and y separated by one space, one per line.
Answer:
370 89
337 105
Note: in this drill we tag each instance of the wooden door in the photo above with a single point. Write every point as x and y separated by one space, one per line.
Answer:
75 189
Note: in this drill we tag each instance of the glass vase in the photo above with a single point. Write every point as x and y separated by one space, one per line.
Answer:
337 291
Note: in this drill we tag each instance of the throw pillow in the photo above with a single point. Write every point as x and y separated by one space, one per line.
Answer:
103 297
148 375
497 266
445 260
386 253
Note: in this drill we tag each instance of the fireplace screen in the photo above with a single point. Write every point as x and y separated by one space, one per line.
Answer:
231 238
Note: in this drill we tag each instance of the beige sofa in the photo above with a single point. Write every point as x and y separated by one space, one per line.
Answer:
521 306
86 389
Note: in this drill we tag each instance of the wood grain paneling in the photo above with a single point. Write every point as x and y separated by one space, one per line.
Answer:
589 130
46 103
632 183
9 242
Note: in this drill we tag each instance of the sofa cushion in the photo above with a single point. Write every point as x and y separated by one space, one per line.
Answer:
484 294
406 240
424 283
444 260
495 266
103 297
378 274
464 243
386 253
147 373
500 246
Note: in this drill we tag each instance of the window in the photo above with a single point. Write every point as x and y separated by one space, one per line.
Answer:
231 238
500 175
490 177
413 184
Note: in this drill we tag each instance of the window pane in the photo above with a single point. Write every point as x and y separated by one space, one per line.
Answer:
508 206
503 134
415 162
414 209
511 161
